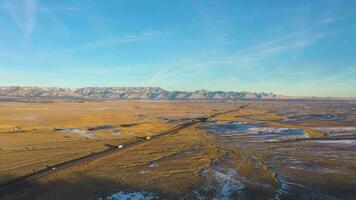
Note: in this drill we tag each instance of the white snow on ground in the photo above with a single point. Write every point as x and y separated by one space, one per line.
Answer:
153 165
78 132
115 132
336 129
224 181
275 130
228 184
131 196
144 171
322 170
347 142
283 188
227 127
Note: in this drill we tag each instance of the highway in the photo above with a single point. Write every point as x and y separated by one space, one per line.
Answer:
28 179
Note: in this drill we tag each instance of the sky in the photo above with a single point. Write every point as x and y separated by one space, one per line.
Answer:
288 47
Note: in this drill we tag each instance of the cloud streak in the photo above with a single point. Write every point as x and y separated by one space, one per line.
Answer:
265 50
329 20
23 13
294 41
59 9
117 41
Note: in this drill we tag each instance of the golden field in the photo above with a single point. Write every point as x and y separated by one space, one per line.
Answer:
36 135
29 142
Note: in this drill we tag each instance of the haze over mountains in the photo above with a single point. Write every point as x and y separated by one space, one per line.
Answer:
144 93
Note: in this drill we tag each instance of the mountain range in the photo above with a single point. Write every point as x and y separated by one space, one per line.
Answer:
142 93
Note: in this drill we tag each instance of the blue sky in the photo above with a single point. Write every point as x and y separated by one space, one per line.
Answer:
292 47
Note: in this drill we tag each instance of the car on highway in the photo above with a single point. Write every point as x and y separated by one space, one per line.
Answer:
148 137
120 146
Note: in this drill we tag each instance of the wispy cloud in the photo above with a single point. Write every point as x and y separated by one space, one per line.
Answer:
159 75
116 41
186 68
59 9
329 20
294 42
23 13
171 71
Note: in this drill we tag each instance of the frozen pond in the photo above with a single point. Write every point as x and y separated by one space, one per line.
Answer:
252 131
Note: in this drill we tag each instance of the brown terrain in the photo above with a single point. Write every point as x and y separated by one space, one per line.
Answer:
268 150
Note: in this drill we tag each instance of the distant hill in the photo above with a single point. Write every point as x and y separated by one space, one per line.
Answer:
143 93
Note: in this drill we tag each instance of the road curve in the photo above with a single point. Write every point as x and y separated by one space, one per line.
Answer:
26 180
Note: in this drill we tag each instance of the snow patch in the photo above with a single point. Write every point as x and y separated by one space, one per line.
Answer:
256 132
115 132
346 142
77 131
131 196
225 182
152 165
337 131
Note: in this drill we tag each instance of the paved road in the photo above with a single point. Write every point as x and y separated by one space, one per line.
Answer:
28 179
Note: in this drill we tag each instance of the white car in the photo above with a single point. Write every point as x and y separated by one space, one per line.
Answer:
148 137
53 168
120 146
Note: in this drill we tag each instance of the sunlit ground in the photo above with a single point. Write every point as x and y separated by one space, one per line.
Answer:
293 150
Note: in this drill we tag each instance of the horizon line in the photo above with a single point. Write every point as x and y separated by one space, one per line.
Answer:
279 95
